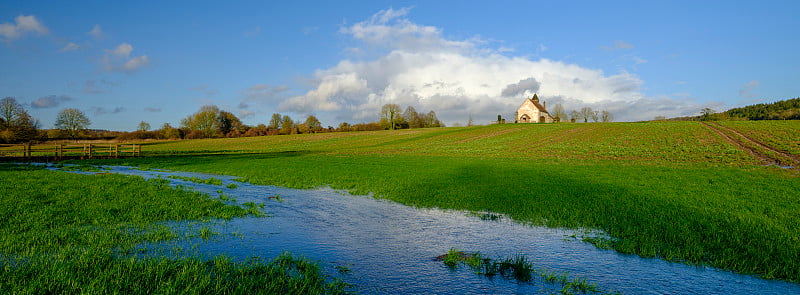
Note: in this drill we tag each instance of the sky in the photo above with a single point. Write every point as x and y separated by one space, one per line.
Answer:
160 61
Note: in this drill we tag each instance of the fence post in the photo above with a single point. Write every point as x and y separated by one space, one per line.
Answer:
116 151
61 151
139 150
28 150
90 151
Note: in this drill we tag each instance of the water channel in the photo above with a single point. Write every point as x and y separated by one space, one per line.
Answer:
390 248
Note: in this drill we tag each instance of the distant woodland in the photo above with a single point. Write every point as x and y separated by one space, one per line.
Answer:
781 110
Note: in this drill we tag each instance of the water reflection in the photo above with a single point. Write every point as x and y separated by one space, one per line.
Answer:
390 247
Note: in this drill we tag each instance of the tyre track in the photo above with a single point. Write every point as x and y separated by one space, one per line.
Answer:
752 146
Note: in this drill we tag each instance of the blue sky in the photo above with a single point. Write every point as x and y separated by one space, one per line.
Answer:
125 62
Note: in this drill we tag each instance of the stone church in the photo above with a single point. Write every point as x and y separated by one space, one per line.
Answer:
531 111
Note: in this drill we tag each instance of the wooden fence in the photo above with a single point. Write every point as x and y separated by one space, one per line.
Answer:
70 151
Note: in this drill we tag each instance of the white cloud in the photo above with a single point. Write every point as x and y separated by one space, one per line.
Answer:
22 25
639 60
70 47
123 50
96 32
120 60
417 66
747 89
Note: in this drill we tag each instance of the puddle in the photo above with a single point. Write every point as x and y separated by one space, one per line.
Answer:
389 248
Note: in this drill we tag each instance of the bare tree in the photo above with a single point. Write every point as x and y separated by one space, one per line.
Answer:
559 113
72 121
15 123
470 121
606 116
586 114
595 116
391 113
574 116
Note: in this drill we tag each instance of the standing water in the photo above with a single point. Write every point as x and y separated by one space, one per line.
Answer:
389 248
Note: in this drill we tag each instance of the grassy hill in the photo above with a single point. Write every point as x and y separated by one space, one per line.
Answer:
683 191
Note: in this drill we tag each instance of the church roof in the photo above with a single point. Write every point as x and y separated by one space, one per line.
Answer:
535 101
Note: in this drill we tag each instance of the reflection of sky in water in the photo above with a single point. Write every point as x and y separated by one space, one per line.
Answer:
390 247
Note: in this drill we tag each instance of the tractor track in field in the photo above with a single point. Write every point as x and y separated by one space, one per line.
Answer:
755 147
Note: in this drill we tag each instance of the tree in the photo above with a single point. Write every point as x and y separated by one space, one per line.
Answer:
15 123
432 121
167 132
287 125
204 121
574 116
72 122
275 122
559 113
227 122
606 116
595 116
470 121
706 114
143 126
313 124
586 113
390 112
344 127
413 118
660 118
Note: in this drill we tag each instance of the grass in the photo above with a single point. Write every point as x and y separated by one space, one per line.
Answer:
518 268
674 190
70 233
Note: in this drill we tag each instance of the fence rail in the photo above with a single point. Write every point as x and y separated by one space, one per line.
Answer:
62 151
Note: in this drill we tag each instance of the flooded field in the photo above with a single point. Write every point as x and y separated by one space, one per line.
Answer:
381 247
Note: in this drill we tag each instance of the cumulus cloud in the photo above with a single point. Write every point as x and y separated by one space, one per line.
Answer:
119 59
524 87
747 89
70 47
415 65
96 32
49 101
23 24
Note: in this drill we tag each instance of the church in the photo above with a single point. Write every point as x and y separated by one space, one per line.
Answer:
531 111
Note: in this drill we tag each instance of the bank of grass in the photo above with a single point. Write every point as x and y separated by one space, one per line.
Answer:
671 190
63 233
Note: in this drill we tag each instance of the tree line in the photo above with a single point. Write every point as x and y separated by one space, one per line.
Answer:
585 114
781 110
16 125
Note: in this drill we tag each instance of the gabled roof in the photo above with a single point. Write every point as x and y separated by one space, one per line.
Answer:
535 101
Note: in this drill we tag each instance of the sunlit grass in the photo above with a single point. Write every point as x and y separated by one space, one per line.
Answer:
674 190
63 233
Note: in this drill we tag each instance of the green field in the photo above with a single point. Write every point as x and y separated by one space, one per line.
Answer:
65 233
674 190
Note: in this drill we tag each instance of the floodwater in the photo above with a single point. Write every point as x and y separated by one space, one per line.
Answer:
390 248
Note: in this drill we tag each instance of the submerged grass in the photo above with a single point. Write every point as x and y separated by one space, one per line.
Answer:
518 268
672 190
68 233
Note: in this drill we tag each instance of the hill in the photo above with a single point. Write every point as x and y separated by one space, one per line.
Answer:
781 110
